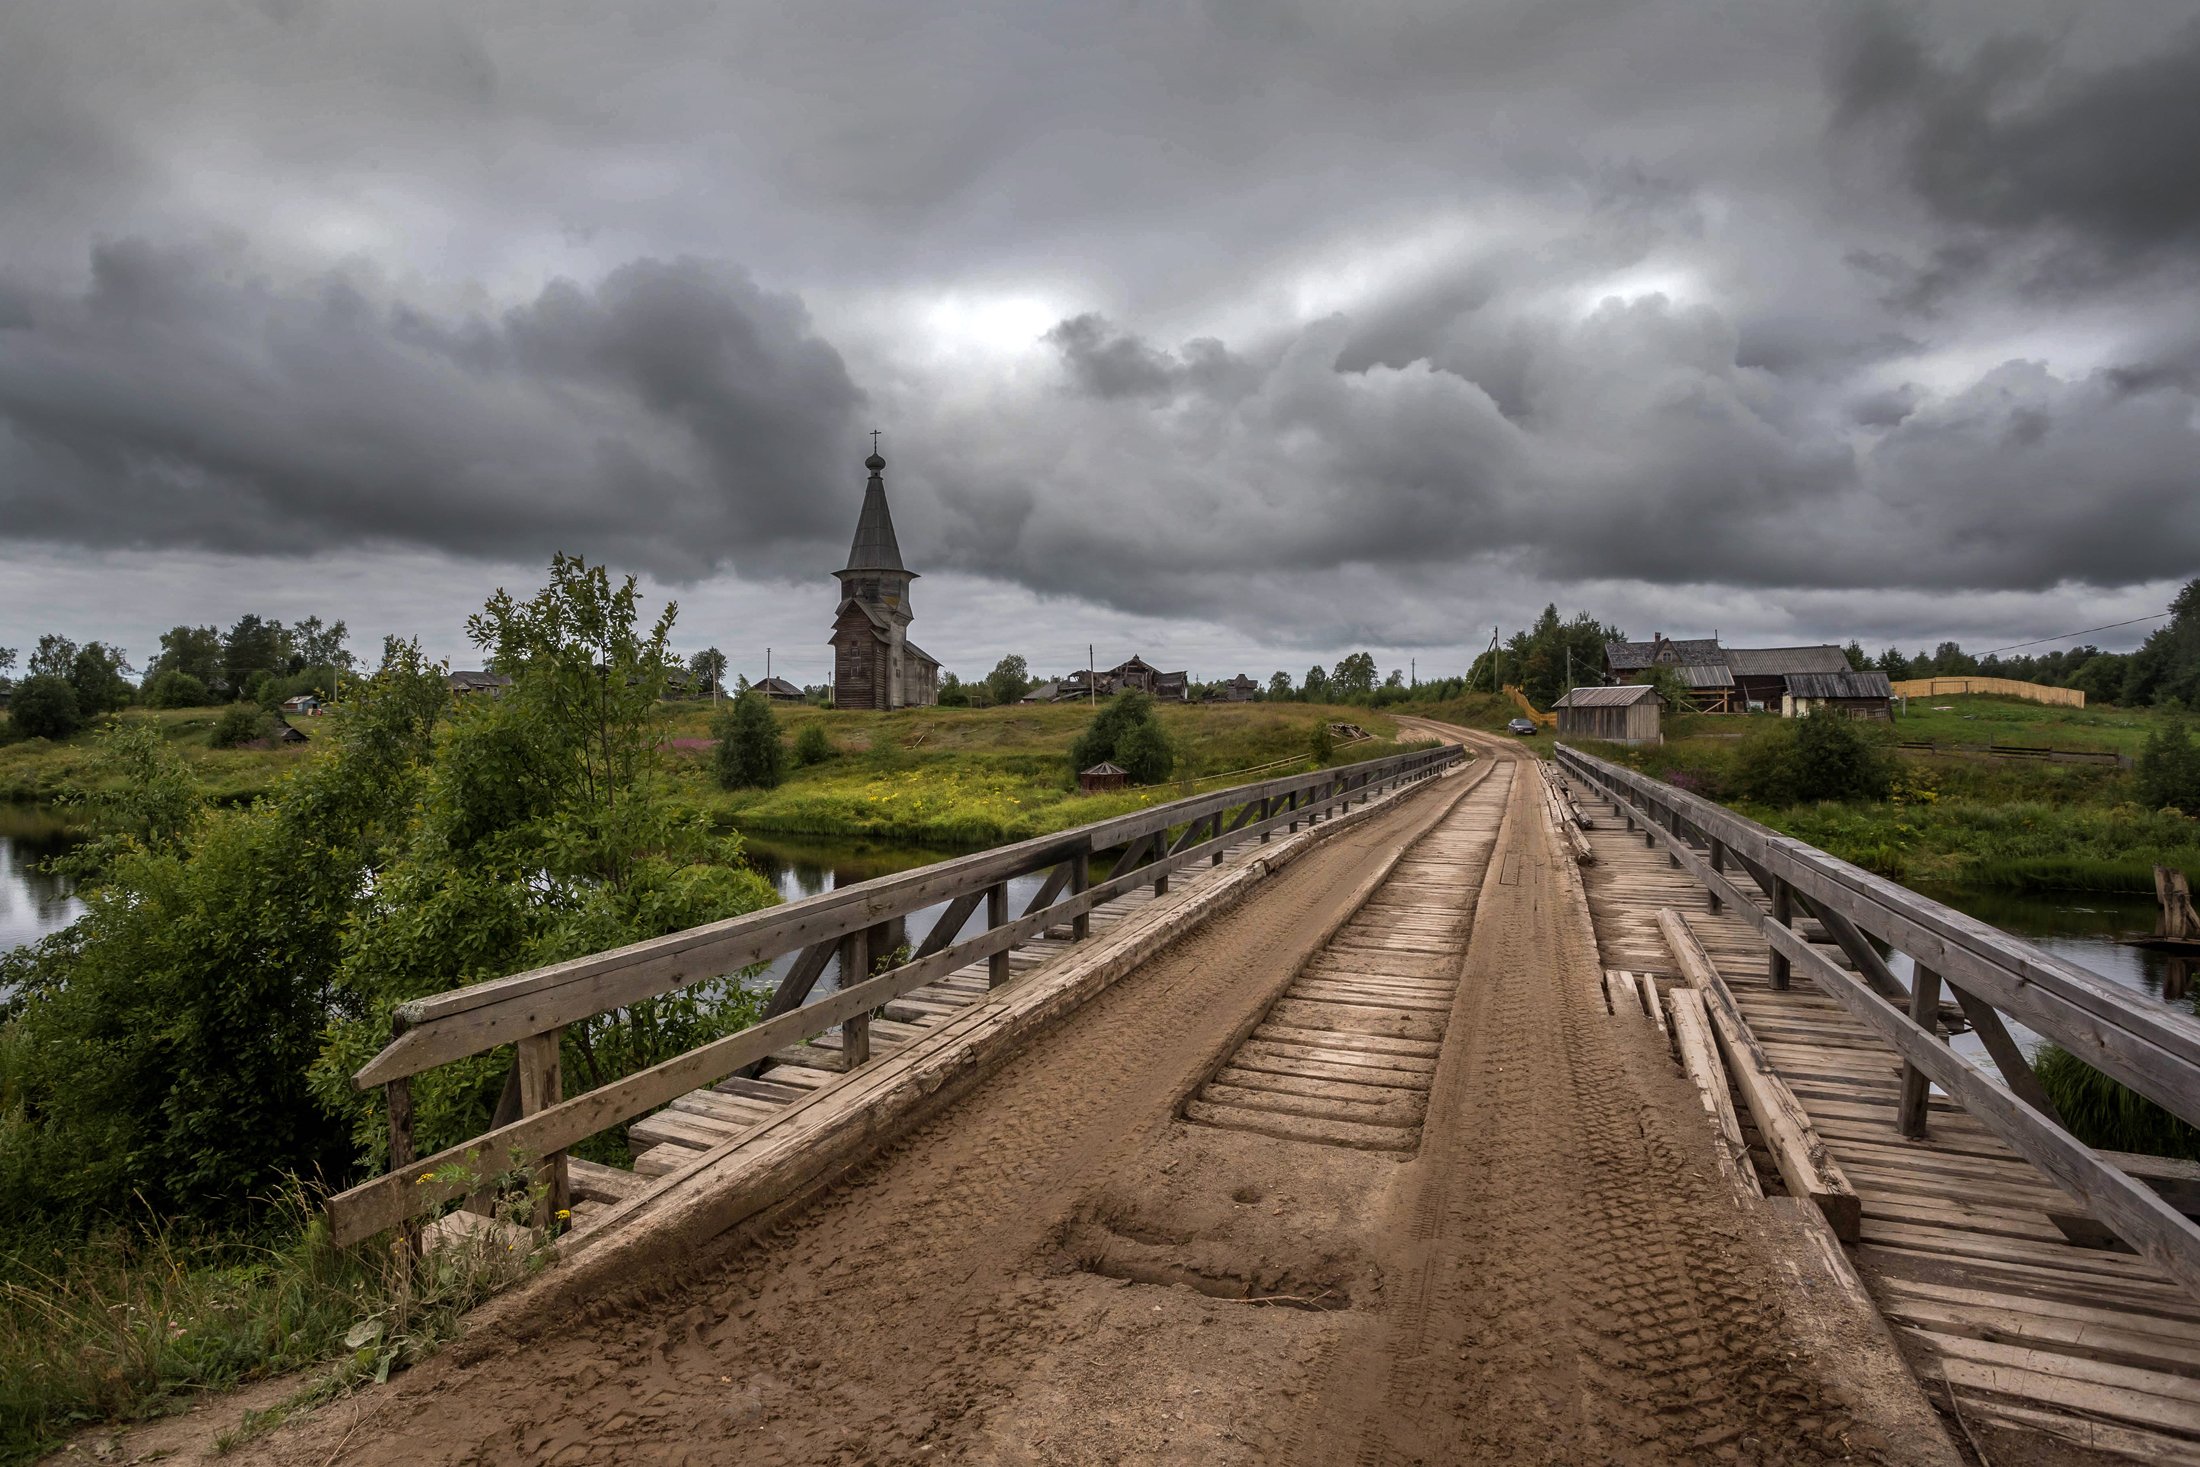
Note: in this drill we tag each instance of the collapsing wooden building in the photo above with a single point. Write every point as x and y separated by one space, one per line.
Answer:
1628 714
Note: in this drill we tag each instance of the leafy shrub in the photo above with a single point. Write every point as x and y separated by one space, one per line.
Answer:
45 708
2168 770
1321 744
1822 756
812 745
172 689
240 723
748 754
1128 731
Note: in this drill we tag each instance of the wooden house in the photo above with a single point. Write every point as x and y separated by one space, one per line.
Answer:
1699 662
477 682
1762 674
1240 689
779 690
1628 714
1858 694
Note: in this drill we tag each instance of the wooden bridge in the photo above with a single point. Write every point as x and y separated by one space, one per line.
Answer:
1539 1042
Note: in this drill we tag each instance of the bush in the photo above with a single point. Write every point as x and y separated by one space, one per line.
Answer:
2168 770
1321 744
1129 732
1822 756
173 689
240 723
748 754
45 708
811 746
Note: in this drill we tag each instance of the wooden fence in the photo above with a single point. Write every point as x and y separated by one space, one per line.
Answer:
2151 1048
2103 757
531 1010
2007 687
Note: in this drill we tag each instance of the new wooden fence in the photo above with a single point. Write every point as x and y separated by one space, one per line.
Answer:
531 1010
2007 687
2152 1048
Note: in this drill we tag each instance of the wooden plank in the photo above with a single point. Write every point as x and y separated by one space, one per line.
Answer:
2135 1213
596 1182
2148 1398
1804 1163
1698 1056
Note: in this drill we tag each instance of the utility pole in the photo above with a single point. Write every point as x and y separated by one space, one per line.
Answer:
1415 664
1092 677
767 664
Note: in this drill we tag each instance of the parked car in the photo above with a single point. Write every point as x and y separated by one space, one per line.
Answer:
1525 727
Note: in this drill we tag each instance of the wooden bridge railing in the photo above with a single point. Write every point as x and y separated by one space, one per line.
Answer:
531 1010
2153 1049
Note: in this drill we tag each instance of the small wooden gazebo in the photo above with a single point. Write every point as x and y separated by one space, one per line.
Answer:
1105 775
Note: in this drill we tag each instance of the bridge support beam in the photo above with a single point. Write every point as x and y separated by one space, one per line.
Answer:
1916 1084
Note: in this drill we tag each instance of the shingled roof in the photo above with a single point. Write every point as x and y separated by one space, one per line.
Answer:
875 547
1839 685
1785 661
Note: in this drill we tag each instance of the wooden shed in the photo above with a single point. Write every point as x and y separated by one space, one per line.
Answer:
1622 715
1101 777
1858 694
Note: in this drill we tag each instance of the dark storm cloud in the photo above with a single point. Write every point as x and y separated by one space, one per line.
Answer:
673 413
2011 134
1316 317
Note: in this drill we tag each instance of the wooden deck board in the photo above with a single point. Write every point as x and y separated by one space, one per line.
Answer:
2031 1331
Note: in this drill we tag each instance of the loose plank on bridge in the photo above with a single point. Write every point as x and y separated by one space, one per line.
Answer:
1958 1248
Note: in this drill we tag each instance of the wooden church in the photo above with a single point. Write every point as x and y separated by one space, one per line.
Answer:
875 665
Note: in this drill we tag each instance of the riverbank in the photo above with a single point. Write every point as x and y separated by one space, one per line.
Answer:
1953 821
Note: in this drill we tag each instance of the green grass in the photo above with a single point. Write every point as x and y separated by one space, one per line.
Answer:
1956 822
40 771
134 1323
1996 720
962 777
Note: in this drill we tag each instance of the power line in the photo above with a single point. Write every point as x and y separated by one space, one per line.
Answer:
2089 631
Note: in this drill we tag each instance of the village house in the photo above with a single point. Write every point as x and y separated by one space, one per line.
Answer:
1858 694
477 682
1741 679
778 690
1240 689
875 665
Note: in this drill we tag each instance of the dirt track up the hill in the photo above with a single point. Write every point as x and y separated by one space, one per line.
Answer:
1066 1265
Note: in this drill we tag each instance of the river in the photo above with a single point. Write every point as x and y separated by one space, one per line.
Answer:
2081 929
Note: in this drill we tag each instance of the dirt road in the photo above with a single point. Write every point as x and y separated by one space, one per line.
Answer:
1402 1193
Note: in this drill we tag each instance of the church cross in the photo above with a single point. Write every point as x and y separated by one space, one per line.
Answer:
874 440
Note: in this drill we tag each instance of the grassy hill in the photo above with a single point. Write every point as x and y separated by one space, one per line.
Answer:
943 776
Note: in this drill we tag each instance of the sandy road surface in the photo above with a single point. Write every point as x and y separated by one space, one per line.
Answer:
1063 1268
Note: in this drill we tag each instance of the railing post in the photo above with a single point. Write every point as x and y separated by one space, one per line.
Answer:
542 1085
996 915
1216 858
1916 1088
1783 912
1080 877
397 1099
1267 808
855 966
1718 863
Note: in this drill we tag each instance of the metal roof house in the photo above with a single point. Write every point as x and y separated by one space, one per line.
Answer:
1627 714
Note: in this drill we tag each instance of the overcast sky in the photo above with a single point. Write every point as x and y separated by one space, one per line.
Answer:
1234 334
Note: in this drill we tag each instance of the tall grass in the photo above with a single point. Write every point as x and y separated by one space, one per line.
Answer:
2102 1113
134 1321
